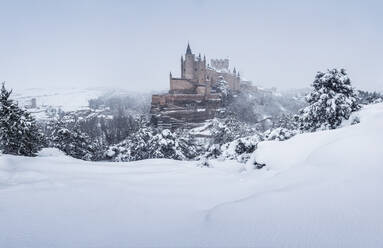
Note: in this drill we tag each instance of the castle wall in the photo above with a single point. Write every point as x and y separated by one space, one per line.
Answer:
179 84
201 90
176 98
231 79
212 75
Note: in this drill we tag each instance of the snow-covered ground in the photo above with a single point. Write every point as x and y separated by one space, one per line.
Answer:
317 190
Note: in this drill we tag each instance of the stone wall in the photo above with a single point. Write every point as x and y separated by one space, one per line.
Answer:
182 99
181 85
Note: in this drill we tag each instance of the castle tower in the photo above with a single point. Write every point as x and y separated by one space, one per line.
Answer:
188 67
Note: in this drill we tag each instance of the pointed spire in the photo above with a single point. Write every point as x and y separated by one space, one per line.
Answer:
204 57
238 74
234 71
188 50
170 75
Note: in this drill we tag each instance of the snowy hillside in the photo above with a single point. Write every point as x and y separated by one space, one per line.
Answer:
68 99
49 101
319 189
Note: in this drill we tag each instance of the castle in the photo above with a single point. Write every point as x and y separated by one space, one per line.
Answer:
192 98
198 78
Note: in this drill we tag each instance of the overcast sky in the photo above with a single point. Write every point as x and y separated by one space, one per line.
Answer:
135 44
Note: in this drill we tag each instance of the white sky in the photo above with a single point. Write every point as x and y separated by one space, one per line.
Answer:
134 44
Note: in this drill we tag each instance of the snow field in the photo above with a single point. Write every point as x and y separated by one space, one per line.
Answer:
320 189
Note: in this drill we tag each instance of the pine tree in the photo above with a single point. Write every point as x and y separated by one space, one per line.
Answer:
19 134
74 142
332 100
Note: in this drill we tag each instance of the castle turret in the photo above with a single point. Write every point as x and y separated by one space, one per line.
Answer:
188 50
188 68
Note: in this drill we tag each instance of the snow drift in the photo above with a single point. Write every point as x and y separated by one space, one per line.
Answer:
317 190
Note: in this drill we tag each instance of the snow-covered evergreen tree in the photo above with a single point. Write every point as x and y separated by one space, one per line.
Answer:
224 130
74 142
221 130
279 133
19 133
287 121
370 97
148 142
238 149
222 86
135 147
332 100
